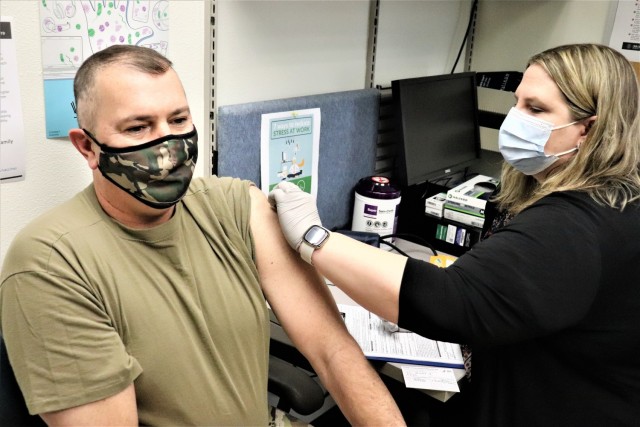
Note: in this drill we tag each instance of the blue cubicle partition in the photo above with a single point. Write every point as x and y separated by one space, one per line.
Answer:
348 135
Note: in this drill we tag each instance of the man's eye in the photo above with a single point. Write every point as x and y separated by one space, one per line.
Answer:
136 129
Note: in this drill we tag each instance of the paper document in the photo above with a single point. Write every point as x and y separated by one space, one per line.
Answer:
430 378
378 343
12 142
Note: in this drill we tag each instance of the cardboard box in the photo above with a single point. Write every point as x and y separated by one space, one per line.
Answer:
455 235
463 218
473 193
466 203
434 205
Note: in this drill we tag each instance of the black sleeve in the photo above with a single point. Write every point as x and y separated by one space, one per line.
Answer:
537 275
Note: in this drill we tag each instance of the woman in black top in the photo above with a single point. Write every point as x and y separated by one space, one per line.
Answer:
551 301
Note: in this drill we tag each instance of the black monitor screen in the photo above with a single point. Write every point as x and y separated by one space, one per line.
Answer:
437 126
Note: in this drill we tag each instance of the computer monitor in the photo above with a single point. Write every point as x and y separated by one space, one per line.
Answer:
437 126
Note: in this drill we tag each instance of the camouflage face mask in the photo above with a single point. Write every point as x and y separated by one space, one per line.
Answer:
157 173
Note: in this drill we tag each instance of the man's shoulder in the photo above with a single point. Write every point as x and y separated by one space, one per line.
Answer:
220 203
215 192
77 212
33 244
224 184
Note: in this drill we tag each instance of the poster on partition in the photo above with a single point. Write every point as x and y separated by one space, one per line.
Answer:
71 31
625 35
289 151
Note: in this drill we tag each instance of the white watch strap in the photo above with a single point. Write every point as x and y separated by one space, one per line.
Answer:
306 250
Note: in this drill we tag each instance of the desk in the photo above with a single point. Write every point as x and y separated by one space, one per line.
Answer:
390 369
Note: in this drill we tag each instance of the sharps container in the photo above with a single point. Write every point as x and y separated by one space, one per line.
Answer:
376 205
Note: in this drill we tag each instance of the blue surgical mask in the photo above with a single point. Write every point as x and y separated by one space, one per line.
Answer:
522 139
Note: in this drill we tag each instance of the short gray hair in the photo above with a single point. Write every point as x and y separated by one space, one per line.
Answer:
140 58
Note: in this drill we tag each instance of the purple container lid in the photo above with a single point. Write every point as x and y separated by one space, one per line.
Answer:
377 187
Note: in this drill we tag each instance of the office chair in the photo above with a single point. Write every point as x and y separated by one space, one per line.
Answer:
295 389
13 410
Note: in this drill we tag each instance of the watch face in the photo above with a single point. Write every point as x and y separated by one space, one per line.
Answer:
315 235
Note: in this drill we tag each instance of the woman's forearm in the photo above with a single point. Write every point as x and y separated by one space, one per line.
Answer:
370 276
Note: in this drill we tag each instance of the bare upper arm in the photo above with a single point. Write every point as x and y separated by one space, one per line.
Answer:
296 292
117 410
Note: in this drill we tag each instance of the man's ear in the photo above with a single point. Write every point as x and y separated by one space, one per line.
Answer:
83 144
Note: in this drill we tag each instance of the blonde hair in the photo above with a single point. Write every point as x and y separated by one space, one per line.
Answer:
595 81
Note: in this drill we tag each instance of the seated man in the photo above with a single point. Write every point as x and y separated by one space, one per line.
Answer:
142 299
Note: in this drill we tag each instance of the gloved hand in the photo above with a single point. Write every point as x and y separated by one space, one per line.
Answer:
296 209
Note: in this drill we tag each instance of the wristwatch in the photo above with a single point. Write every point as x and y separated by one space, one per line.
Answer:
313 239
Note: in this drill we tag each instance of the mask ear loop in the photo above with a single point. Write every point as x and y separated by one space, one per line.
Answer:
566 152
577 147
117 150
565 126
93 138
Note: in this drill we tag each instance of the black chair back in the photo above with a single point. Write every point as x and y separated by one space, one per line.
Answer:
13 410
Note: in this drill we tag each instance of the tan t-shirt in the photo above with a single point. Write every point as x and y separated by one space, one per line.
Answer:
88 306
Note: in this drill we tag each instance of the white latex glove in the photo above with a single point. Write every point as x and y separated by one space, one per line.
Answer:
296 209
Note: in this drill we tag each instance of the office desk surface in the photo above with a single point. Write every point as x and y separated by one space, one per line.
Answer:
390 369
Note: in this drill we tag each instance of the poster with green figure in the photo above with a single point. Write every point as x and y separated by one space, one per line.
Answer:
73 30
290 143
